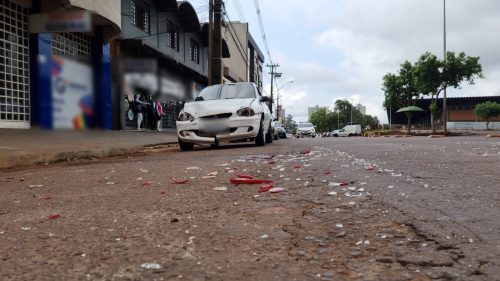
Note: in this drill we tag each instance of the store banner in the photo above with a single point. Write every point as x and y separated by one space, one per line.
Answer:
66 21
72 93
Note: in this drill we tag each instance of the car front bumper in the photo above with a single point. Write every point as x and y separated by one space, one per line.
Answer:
240 128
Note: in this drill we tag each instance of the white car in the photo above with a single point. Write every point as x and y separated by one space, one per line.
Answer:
306 129
223 113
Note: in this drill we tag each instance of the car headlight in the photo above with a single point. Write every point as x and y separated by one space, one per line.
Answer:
184 116
246 112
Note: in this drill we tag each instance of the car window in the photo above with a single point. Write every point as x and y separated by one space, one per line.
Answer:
209 93
237 91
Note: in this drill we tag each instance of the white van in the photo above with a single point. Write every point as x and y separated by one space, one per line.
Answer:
347 131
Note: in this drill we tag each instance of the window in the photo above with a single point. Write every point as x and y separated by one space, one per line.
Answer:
194 51
73 44
140 15
14 68
172 36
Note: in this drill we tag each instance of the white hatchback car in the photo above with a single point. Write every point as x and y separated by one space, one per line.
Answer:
225 112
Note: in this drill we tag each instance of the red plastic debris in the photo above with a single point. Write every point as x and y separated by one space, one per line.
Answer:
327 173
244 176
307 151
54 216
163 192
344 183
271 162
179 181
370 168
265 188
249 181
146 183
46 197
297 166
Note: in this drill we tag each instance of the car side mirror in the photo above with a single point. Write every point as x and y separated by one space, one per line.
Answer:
264 99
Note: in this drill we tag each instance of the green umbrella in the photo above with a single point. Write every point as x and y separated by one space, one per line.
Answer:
409 110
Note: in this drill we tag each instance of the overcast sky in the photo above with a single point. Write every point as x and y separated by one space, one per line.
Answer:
342 48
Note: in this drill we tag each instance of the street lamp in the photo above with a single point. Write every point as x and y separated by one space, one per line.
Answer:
279 95
444 55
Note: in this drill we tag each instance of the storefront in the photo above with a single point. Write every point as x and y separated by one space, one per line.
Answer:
14 66
55 63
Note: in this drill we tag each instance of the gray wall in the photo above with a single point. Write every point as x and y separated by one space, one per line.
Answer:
159 42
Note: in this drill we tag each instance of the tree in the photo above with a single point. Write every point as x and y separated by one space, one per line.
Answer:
487 111
401 89
290 124
433 76
319 120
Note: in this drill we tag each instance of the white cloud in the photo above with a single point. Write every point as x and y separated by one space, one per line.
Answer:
342 48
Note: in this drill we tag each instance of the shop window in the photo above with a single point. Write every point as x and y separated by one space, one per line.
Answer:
194 51
71 44
141 15
14 70
172 36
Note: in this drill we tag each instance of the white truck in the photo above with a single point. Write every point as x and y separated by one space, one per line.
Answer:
347 131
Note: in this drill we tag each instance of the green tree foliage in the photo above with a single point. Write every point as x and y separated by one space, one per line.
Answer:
429 76
290 124
487 111
327 121
400 89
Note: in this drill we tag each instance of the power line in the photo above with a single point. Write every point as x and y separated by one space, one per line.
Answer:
262 30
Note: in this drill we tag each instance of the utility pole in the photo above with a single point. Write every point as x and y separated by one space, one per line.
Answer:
445 110
215 42
273 74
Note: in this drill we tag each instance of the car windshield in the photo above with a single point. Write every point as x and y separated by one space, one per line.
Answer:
227 91
305 125
209 93
237 91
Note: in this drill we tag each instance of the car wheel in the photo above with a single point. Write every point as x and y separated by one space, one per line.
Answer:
186 146
269 135
276 137
335 135
260 139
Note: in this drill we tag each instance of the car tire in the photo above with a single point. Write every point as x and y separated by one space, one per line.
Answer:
269 135
260 139
186 146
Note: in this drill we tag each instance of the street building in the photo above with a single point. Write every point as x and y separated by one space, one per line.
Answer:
246 61
312 110
460 112
361 108
55 63
161 57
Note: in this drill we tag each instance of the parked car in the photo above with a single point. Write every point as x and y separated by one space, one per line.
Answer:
306 129
224 113
280 131
347 131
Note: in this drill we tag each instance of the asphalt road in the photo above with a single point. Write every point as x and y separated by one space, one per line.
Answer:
408 209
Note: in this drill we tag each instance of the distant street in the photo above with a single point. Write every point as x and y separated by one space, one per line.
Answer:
352 209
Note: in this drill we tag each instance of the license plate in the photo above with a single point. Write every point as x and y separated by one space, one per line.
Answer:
214 127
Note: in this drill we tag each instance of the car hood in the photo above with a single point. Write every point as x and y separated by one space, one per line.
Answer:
213 107
306 129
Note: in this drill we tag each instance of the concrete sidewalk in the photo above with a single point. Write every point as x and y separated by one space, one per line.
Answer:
35 146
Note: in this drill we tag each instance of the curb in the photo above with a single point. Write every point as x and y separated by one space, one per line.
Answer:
33 159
